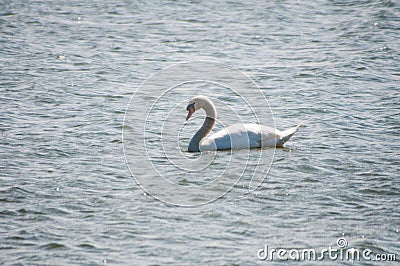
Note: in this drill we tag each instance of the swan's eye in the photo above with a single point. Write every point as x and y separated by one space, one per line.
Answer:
190 106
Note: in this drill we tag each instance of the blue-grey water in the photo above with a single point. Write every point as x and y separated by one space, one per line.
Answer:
68 70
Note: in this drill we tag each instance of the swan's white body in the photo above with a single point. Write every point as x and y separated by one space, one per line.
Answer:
245 136
238 136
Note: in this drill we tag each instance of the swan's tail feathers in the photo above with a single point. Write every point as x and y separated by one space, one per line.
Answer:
286 135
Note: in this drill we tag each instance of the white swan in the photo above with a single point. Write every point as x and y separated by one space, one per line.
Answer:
238 136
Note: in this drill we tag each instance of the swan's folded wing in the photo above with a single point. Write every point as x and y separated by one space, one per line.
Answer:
269 136
238 136
217 141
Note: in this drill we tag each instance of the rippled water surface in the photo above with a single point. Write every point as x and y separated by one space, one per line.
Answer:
69 69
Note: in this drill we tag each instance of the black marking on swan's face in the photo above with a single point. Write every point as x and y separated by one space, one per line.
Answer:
190 105
190 108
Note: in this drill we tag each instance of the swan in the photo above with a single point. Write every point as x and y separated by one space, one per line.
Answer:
237 136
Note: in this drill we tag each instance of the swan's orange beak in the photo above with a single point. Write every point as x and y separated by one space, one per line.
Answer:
191 110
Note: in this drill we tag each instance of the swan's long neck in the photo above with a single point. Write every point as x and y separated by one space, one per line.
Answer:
208 124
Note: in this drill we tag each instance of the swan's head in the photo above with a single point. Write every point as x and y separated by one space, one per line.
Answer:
199 102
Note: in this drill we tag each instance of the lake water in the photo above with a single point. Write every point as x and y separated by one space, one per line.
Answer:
69 71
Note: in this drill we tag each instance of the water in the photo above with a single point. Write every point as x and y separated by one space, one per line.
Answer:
69 69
